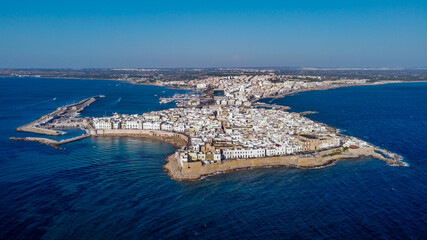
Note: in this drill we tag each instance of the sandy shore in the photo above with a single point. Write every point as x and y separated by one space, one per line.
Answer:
177 139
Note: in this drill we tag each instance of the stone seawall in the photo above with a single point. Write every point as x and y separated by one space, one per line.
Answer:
47 141
195 170
64 111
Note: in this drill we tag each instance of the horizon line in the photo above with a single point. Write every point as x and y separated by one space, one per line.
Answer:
218 68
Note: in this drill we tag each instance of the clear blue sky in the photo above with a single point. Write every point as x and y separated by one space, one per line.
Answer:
78 34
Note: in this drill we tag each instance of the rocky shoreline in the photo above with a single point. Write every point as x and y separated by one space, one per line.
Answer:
322 159
195 172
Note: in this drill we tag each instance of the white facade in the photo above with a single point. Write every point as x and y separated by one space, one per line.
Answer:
102 124
201 85
132 124
217 155
116 124
277 151
244 153
166 127
153 118
179 128
151 125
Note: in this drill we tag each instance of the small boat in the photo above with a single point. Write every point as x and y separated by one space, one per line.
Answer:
54 99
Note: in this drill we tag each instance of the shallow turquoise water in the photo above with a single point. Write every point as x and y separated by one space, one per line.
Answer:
116 188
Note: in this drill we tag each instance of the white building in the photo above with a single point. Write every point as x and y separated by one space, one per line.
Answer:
102 123
201 85
217 155
244 153
153 118
179 128
132 124
151 125
116 124
276 151
166 127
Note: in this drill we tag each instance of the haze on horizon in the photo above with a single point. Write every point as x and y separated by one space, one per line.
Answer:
83 34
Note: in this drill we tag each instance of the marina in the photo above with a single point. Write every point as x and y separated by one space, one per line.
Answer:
65 117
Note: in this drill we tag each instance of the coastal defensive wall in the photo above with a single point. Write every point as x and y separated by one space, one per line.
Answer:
196 170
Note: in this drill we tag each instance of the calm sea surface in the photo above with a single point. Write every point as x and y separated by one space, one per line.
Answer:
116 188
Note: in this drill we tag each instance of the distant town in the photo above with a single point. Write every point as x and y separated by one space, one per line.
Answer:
220 125
157 75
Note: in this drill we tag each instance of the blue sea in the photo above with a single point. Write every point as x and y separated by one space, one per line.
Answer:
116 188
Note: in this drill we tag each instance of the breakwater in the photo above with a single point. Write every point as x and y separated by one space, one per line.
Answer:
39 126
50 142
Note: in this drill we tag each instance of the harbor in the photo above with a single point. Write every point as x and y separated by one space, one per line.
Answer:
65 117
50 142
62 117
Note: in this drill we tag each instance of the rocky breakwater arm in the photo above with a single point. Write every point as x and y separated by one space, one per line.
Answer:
50 142
63 113
47 141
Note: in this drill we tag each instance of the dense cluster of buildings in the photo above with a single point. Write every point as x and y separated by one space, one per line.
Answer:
219 133
242 90
229 127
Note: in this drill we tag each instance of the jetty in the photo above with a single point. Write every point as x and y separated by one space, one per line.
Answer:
272 106
41 125
307 112
50 142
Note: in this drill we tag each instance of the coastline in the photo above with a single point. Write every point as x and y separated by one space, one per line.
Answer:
380 82
196 170
333 87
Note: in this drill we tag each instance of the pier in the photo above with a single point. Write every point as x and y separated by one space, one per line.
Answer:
50 142
272 106
41 125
